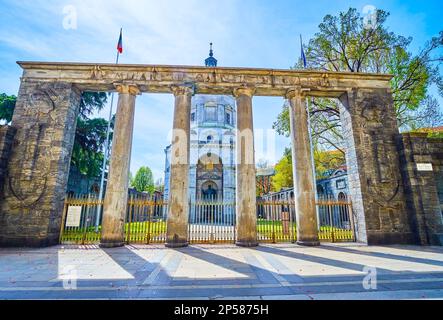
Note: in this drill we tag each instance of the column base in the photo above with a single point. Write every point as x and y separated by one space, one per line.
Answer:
110 245
309 243
246 244
176 245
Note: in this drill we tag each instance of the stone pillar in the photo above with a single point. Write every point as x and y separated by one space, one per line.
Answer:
116 199
246 171
370 128
45 119
178 209
304 184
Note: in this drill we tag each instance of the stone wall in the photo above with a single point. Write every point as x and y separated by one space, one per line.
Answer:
421 184
45 119
6 139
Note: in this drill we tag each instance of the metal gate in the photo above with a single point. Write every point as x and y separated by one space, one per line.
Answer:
210 222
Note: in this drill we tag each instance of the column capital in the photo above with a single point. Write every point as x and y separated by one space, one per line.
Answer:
296 92
244 90
131 89
183 89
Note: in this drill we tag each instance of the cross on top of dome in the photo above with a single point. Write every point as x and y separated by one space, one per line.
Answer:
211 61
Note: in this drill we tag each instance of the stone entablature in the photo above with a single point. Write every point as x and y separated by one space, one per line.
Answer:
221 81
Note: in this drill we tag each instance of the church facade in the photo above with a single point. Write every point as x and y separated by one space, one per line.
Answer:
212 152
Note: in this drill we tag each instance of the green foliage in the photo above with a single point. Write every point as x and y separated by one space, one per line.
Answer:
327 161
87 154
283 177
345 43
92 102
143 180
90 136
7 105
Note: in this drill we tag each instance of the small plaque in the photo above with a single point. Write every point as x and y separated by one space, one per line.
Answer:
425 167
74 216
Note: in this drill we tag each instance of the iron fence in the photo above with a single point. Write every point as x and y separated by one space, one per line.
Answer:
276 221
79 220
210 222
146 220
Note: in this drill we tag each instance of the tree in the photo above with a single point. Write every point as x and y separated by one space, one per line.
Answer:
87 153
7 105
327 161
143 180
283 177
347 43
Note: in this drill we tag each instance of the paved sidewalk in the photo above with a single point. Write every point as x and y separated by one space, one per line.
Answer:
221 272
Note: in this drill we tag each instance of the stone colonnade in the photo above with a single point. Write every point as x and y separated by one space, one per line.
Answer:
178 209
389 179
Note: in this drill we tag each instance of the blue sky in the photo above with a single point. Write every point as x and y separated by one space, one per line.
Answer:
246 33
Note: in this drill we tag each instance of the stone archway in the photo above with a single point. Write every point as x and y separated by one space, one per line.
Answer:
210 178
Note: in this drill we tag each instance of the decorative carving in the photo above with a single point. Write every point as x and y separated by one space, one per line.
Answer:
324 81
127 89
244 90
97 73
184 89
296 92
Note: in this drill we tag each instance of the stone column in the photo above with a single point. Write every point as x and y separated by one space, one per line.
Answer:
178 209
246 171
116 199
304 184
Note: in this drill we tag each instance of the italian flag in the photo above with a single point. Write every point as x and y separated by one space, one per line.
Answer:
120 42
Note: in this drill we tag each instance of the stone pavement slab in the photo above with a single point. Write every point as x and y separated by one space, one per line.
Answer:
283 272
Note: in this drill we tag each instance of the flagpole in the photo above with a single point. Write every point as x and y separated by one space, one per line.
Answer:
314 173
105 159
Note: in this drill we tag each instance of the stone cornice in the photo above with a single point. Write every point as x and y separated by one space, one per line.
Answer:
161 79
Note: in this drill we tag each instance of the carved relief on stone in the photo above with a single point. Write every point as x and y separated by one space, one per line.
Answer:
31 172
97 73
373 111
383 182
324 81
28 179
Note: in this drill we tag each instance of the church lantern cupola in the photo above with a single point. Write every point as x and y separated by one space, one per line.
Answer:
211 61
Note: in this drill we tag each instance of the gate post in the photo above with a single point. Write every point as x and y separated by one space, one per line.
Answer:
45 119
116 199
304 184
